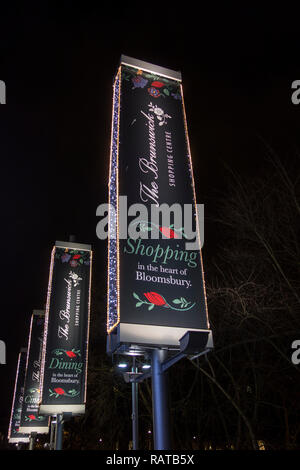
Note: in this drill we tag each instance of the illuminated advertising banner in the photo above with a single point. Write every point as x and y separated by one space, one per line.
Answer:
156 290
65 351
31 420
14 436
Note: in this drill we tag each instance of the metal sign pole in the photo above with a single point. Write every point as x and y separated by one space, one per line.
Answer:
160 402
52 433
32 440
135 413
59 431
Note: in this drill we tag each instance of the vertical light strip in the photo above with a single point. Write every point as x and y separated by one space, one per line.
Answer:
28 346
117 176
46 322
113 282
88 328
14 397
195 200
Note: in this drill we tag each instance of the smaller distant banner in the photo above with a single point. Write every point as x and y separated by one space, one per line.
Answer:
66 333
31 420
14 435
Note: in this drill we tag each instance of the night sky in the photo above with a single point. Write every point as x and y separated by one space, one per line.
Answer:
58 64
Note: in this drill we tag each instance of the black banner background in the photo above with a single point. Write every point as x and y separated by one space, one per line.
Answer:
30 418
157 290
14 435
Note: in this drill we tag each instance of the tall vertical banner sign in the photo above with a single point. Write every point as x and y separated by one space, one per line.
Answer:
65 351
14 435
31 420
156 290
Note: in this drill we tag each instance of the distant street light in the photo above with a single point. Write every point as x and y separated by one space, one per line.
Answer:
122 365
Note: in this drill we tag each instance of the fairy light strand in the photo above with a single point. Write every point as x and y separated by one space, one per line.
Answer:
195 200
46 321
113 315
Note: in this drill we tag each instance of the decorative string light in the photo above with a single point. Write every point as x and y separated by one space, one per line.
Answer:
14 397
46 321
113 314
88 329
195 200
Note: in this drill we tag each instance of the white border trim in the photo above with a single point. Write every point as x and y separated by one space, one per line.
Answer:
37 429
78 409
15 440
73 245
155 334
151 68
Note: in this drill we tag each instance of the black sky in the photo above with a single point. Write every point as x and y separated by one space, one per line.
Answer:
58 64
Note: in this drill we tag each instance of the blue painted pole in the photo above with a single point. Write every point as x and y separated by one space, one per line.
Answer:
135 411
160 408
59 432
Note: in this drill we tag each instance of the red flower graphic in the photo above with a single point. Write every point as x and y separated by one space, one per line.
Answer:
168 232
76 256
157 84
59 391
155 298
70 354
32 417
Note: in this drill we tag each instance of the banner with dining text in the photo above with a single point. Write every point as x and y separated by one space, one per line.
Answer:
65 350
